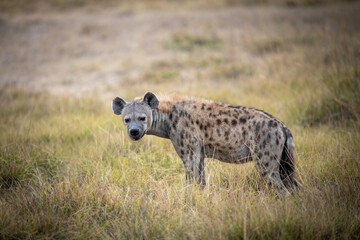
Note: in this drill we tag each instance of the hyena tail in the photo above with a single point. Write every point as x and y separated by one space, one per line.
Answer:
287 163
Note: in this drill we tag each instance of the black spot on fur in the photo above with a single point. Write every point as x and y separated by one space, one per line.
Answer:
197 122
170 116
182 152
244 133
174 109
206 135
226 120
201 126
194 107
266 164
277 141
226 133
270 123
209 108
260 155
242 120
234 122
203 106
263 144
218 121
257 128
175 121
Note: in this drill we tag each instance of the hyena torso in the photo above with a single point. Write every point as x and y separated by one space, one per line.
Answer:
201 128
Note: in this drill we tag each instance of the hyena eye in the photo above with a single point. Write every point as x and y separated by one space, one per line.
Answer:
142 119
127 120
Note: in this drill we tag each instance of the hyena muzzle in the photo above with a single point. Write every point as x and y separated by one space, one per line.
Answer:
201 128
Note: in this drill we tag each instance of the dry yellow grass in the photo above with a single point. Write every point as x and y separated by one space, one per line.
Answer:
68 170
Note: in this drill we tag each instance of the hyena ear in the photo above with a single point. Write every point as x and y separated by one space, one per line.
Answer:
118 105
151 100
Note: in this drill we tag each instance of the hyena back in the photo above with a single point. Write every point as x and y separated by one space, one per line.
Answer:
200 128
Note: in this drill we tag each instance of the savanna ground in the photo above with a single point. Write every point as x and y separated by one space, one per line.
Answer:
68 170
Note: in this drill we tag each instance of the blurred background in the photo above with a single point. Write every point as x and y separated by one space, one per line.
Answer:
102 48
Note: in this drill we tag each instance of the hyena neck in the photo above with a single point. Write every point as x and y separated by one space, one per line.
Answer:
160 125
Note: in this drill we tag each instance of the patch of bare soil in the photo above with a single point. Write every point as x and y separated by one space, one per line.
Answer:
112 52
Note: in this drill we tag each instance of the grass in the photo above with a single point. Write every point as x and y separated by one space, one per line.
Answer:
187 42
337 101
69 171
233 71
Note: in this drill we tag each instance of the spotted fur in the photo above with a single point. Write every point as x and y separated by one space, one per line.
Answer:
201 129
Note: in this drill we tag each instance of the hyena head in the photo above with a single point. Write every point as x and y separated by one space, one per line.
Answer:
136 115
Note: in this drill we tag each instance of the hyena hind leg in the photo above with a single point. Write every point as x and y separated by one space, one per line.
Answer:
268 168
200 171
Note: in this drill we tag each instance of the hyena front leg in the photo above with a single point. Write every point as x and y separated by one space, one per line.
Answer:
269 169
200 169
194 164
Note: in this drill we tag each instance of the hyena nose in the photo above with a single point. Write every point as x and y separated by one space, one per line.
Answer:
134 132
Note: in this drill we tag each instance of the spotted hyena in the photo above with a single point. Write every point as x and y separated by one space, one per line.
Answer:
201 128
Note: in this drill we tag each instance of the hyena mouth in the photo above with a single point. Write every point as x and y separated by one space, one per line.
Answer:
138 137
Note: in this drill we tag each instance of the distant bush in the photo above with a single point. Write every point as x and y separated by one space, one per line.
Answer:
232 71
187 42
